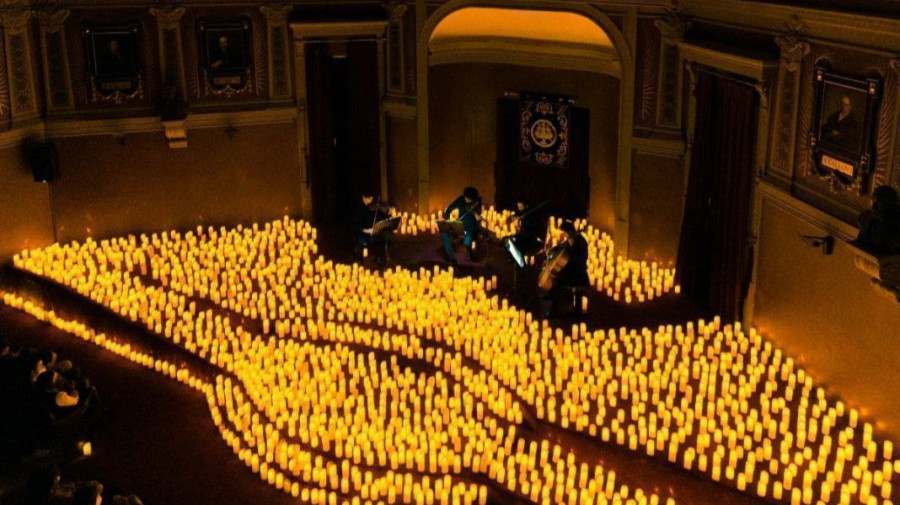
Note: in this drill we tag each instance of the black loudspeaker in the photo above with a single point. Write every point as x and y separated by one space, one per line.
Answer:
43 159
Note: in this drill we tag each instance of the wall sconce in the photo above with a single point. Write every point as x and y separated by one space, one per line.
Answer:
826 242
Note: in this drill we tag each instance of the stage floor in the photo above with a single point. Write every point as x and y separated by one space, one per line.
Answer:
157 440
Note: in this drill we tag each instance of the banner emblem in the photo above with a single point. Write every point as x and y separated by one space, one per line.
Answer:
544 127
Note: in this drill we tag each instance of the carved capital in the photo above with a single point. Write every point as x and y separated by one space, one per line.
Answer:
792 43
792 50
168 19
796 26
672 25
16 22
52 22
395 10
276 15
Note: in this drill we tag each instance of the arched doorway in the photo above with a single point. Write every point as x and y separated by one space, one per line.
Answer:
617 61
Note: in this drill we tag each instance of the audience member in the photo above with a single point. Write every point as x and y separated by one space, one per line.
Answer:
879 227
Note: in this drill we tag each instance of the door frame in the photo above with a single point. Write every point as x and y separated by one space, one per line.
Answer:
763 74
323 32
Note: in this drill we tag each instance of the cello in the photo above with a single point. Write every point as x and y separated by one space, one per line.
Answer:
557 259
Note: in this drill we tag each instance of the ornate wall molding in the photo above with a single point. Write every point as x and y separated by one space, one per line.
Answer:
279 60
171 59
20 65
793 48
54 52
672 27
152 124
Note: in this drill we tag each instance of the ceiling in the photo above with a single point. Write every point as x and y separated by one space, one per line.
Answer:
521 24
523 37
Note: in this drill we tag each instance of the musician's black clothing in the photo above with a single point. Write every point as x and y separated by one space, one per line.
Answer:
364 217
570 279
575 272
528 239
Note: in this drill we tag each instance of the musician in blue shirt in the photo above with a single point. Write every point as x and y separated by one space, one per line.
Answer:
468 208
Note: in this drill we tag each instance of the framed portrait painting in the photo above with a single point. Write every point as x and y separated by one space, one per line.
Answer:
843 132
113 62
226 63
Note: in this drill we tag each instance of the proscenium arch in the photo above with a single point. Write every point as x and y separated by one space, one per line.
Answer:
626 96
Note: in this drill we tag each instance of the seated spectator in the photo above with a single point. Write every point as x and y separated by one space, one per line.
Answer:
879 227
88 494
127 500
41 485
66 397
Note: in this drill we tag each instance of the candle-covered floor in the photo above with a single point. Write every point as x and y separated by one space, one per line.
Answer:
337 384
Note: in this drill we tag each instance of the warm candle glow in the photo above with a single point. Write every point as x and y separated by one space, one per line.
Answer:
314 395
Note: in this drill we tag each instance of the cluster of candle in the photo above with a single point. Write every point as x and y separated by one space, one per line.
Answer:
618 277
336 415
402 375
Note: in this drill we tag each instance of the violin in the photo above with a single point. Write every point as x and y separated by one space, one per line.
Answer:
557 259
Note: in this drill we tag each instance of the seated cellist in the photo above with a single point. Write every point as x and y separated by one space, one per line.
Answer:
574 274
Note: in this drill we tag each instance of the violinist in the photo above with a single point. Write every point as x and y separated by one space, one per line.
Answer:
527 238
468 207
365 215
573 276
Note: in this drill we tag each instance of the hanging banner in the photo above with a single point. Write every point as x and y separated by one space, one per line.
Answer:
544 130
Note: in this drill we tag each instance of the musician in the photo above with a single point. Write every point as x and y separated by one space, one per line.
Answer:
574 275
468 207
365 215
530 229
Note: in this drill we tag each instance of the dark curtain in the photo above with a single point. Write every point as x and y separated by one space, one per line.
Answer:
362 141
567 189
715 253
321 130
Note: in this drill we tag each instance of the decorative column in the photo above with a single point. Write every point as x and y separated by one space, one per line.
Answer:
793 48
672 27
57 78
893 175
171 61
396 82
20 66
301 94
279 66
171 65
382 121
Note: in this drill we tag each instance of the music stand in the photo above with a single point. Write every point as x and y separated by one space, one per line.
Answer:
514 252
389 224
452 228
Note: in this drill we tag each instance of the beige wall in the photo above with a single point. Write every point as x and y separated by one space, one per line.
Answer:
108 188
463 131
25 220
657 205
824 311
